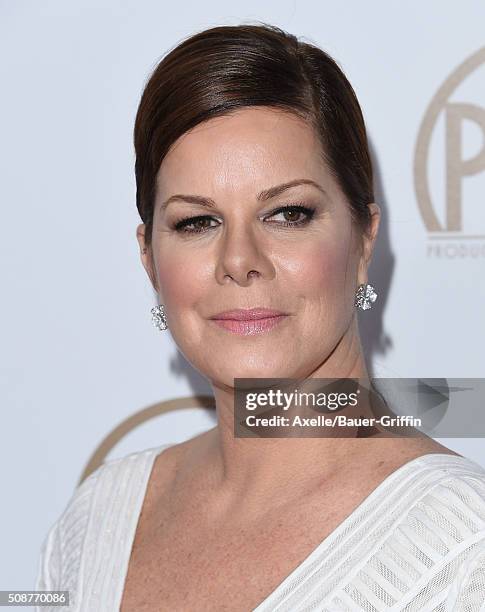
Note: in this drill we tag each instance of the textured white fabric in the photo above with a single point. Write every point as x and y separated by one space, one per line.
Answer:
417 542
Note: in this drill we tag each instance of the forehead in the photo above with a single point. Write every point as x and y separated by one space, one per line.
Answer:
250 149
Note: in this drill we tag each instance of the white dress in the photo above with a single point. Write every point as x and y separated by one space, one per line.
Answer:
417 542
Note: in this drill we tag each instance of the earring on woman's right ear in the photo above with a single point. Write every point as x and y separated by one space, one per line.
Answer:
159 319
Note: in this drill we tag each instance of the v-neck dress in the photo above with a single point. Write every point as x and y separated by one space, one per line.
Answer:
417 542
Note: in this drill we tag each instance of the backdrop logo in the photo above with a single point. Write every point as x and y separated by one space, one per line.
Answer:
449 164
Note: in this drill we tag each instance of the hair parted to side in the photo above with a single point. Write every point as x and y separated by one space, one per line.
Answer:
226 68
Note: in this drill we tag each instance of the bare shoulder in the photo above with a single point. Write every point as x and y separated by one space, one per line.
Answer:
432 446
408 448
382 455
170 465
172 458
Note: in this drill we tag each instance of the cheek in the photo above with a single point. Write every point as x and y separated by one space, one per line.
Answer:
321 270
182 277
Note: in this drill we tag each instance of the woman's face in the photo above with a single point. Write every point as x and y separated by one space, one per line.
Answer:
243 253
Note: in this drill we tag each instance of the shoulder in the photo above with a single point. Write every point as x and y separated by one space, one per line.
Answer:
447 492
63 547
422 537
457 511
442 533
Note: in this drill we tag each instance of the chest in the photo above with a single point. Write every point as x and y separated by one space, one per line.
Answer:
180 563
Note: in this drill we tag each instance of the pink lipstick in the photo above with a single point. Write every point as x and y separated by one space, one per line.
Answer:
249 322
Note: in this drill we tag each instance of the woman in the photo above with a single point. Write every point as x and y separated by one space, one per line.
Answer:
254 185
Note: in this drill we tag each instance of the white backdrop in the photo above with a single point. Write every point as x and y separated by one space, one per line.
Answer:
78 350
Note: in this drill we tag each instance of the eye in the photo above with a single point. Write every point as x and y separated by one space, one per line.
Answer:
292 213
199 224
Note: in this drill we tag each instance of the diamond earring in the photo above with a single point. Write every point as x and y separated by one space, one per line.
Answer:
159 319
365 296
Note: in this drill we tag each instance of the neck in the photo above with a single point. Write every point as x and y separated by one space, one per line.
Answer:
258 469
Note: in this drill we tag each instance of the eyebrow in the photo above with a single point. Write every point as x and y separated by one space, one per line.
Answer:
266 194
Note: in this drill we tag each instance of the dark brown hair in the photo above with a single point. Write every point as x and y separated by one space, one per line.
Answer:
226 68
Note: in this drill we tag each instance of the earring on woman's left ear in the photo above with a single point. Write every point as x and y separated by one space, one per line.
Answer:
365 296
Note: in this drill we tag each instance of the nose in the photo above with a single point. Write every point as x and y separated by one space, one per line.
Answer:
241 256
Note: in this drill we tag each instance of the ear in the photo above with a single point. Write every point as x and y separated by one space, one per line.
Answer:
146 255
368 240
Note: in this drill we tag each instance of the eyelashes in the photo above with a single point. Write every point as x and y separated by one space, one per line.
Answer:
183 226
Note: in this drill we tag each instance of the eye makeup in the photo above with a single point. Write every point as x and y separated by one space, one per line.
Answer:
188 225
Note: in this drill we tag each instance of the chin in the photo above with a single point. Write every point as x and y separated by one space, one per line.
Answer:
253 371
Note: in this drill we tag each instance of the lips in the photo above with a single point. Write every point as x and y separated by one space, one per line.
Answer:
249 322
252 314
